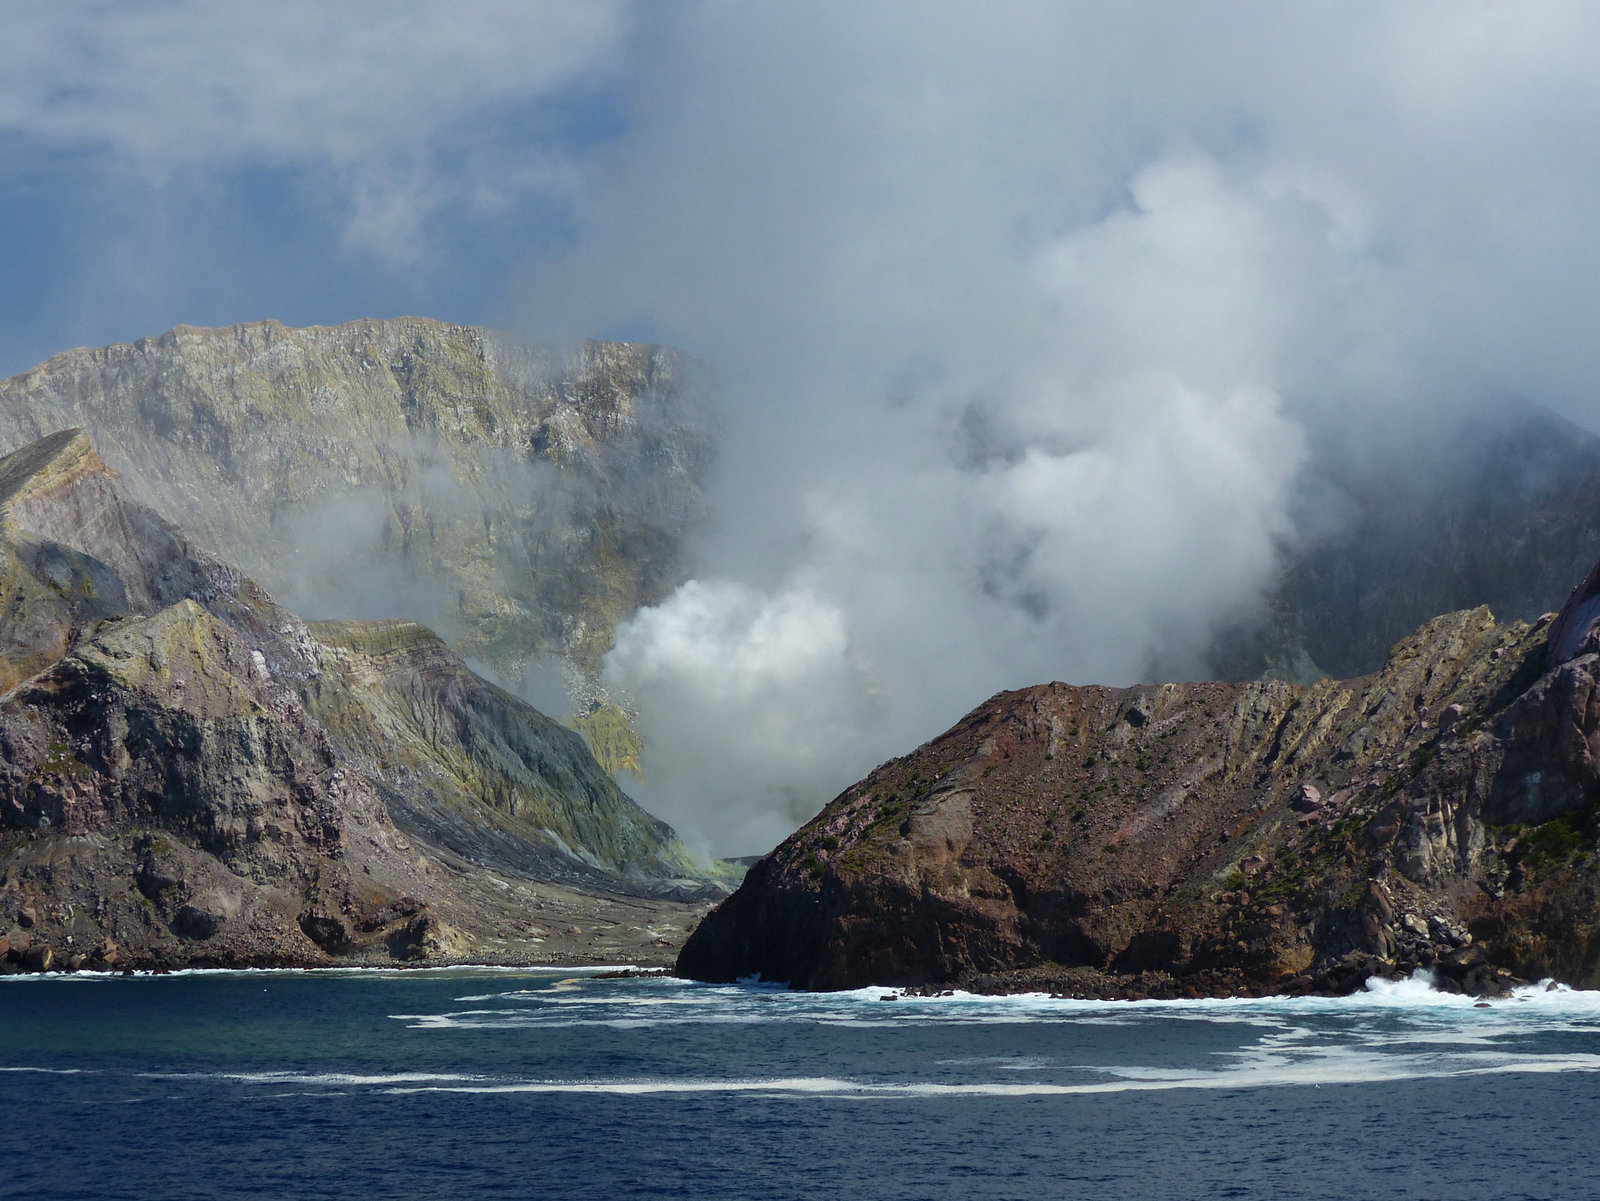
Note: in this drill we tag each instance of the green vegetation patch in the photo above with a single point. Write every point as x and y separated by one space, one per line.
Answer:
59 760
1553 842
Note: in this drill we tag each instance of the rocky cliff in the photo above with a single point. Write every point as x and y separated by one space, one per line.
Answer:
519 501
1194 839
191 774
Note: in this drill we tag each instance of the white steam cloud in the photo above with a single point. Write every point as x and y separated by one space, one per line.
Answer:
1033 318
1026 319
1087 508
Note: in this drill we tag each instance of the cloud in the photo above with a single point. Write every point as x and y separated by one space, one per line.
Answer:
744 689
1040 327
404 108
1086 509
1036 325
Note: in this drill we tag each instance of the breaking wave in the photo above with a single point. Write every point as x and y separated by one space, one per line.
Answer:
667 1001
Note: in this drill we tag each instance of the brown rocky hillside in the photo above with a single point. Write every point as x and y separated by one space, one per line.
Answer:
1212 838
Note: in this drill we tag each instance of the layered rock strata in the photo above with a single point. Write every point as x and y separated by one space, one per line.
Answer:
523 502
1211 838
190 774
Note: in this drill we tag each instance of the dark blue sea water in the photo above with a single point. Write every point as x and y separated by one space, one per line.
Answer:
483 1083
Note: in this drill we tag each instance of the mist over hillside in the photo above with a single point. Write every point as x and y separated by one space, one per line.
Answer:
1049 336
533 509
520 499
1052 336
1499 507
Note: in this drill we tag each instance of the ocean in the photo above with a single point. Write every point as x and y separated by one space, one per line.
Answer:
465 1083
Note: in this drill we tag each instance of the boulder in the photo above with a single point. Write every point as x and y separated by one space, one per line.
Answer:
1379 938
328 931
1376 901
38 958
390 913
1308 799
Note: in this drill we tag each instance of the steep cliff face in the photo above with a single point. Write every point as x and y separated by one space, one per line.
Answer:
189 773
521 503
1188 839
473 767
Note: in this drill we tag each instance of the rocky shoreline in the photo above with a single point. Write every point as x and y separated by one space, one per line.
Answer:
1469 975
505 920
21 956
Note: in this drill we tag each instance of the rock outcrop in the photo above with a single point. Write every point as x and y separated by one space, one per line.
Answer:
190 774
1211 838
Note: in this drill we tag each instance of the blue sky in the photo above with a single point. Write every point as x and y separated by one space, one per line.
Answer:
212 163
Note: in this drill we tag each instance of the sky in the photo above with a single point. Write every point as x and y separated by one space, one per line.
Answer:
1032 320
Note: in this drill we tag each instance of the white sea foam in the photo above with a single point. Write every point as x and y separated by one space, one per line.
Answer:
1344 1069
47 1071
667 1002
1391 1031
340 1079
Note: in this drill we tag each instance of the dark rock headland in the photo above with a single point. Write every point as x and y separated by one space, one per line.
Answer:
1212 839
